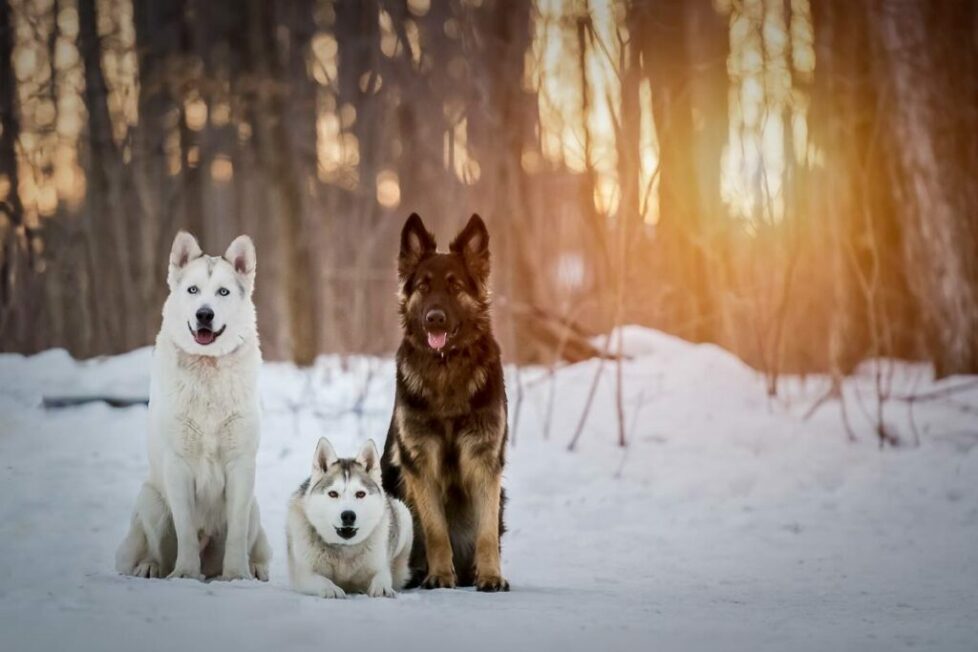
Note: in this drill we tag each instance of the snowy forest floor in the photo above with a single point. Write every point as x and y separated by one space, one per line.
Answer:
728 522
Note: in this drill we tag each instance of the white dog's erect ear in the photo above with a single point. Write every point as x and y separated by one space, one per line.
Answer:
370 458
184 250
324 457
241 255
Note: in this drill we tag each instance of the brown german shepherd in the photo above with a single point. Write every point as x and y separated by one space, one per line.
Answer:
446 445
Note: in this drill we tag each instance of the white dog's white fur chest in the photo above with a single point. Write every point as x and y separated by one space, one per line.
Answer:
205 411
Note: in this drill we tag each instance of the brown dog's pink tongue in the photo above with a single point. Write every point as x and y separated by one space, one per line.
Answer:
437 340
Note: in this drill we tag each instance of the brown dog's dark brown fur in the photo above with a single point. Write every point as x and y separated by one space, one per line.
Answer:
445 449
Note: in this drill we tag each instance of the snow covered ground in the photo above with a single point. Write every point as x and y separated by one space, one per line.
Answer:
729 522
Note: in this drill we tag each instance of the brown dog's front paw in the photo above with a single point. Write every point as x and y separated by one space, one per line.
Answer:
491 584
439 581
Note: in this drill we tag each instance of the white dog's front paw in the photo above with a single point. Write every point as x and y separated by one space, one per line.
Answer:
381 589
186 573
259 571
236 573
148 569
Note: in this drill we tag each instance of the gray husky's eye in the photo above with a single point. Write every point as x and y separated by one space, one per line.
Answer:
193 289
224 292
333 494
361 494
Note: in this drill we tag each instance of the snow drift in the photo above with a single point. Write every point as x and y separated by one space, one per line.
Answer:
728 522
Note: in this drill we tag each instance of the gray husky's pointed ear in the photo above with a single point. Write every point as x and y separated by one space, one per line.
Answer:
370 459
241 254
416 245
324 457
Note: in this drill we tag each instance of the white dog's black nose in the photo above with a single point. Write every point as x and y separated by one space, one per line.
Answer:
205 316
348 517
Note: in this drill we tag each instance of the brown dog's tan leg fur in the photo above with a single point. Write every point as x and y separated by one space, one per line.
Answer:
425 495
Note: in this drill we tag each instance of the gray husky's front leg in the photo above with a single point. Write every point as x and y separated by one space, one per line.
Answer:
382 584
304 578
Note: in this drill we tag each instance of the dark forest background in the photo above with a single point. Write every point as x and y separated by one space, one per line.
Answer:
317 126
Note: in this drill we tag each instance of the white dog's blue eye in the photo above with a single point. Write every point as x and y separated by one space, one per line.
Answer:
224 292
193 289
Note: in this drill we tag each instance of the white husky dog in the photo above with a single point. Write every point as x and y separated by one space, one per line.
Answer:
196 515
344 533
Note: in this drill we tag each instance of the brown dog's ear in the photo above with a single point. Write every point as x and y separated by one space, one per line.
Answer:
472 243
416 244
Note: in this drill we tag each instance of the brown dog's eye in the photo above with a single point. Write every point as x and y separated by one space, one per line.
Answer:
333 494
361 494
423 287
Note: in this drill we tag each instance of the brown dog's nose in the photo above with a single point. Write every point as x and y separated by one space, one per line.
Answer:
435 317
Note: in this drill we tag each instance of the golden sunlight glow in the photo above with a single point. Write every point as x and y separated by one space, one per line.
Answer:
118 36
390 44
388 189
52 112
222 169
456 150
573 66
419 7
574 135
764 104
195 112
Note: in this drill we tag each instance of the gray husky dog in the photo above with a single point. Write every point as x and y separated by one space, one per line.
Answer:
344 533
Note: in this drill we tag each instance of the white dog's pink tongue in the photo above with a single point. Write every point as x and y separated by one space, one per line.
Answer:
437 340
204 336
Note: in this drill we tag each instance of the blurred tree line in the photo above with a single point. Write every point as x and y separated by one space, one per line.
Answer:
316 126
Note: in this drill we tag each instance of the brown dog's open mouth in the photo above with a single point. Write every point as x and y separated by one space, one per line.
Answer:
437 340
204 335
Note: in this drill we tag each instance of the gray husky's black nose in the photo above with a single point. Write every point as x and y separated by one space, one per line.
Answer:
205 315
348 517
435 317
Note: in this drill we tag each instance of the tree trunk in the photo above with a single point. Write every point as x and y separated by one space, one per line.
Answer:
662 30
276 151
12 234
941 247
108 238
159 27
